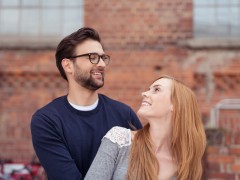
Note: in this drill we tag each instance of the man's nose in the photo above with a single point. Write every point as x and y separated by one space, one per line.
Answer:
101 63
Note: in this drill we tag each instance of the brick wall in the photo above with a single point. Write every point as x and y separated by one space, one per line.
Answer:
222 155
139 25
28 80
143 41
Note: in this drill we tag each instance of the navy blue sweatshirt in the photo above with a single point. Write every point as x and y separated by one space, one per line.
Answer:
66 140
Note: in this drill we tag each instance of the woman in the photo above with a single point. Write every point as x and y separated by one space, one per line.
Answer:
170 146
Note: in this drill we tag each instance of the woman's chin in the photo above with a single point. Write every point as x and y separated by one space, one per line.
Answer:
141 113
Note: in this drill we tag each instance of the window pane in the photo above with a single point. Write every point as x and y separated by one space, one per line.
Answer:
30 2
205 16
223 2
223 16
235 1
219 18
11 3
204 2
30 22
51 3
9 21
235 12
51 23
68 3
43 20
73 20
206 19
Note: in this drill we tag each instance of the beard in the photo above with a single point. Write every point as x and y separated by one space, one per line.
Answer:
86 79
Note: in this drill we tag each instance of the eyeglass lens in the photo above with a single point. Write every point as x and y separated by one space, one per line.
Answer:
95 58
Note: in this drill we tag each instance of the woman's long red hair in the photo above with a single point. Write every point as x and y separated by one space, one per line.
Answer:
188 140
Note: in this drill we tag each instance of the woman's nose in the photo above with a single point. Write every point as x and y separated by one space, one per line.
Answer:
144 94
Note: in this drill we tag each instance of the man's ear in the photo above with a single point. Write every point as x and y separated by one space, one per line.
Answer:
67 65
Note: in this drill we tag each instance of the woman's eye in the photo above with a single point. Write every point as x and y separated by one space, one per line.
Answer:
156 90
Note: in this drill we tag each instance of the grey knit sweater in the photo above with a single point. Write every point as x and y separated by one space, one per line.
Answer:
111 161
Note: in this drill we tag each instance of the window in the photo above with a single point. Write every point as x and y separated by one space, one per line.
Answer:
217 18
38 22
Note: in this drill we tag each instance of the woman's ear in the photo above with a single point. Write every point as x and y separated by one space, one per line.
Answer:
171 107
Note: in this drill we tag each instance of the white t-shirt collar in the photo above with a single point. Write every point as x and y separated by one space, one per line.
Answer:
84 108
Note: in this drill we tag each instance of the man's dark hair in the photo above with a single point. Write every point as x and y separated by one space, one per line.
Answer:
66 48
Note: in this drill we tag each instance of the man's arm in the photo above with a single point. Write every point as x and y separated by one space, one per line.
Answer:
51 150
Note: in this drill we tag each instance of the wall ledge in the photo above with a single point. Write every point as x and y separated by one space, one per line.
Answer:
211 43
28 43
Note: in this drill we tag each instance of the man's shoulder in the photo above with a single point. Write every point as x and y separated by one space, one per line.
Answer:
52 106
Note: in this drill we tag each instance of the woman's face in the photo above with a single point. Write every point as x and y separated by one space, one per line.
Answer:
156 102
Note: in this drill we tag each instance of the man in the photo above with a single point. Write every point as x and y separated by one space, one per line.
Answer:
67 132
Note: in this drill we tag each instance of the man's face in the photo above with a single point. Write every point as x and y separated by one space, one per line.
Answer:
86 74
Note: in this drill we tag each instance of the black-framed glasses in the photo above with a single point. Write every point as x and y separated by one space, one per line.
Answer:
94 58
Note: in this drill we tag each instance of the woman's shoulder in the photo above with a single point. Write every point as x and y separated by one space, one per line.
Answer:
120 135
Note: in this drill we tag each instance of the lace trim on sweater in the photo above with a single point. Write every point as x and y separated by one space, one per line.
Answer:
119 135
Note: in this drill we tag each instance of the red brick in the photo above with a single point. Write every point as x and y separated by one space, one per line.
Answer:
236 168
221 176
220 158
235 151
212 167
236 138
212 150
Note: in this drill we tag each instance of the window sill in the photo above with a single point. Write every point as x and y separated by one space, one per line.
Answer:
211 43
28 43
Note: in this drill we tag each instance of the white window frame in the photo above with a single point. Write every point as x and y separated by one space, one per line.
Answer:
216 18
38 23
